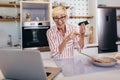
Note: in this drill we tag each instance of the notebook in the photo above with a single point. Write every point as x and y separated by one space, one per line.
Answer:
25 65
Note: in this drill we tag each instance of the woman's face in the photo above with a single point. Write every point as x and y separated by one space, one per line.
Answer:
60 20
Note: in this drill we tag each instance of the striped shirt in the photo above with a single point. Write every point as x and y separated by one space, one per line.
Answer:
55 39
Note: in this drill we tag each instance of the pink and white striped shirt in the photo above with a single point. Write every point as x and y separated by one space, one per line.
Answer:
55 39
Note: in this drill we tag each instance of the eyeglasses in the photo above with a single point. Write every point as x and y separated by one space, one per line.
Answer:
61 18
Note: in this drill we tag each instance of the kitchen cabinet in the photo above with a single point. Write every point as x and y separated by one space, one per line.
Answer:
38 11
35 19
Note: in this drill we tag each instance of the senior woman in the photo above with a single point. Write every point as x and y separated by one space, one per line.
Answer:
62 37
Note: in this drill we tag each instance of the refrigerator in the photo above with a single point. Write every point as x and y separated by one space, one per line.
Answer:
107 30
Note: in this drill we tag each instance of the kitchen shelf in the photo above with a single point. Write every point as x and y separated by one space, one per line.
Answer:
35 5
88 17
44 49
9 5
94 45
64 6
116 7
37 21
35 2
9 20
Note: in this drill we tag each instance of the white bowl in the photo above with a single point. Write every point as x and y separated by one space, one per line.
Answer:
112 62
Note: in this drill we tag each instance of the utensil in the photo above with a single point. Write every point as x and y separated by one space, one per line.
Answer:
97 59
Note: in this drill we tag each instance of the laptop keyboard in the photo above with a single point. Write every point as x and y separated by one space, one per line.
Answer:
48 73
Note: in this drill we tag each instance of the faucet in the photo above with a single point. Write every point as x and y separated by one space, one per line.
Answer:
9 43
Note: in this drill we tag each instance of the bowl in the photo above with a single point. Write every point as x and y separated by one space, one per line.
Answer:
112 62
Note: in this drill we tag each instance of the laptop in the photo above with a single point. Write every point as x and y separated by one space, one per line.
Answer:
25 65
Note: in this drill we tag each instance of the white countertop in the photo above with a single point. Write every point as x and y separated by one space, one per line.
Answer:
103 75
93 44
10 48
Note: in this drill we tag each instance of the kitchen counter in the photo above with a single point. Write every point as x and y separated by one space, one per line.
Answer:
98 75
10 48
93 45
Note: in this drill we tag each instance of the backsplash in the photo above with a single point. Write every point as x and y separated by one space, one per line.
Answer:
75 8
9 28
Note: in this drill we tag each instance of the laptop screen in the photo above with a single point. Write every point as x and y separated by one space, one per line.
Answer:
22 65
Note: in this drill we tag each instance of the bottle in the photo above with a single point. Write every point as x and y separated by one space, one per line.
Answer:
85 22
91 35
28 17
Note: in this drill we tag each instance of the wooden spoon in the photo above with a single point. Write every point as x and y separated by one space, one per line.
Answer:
97 59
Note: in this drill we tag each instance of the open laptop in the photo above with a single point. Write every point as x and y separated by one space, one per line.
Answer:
24 65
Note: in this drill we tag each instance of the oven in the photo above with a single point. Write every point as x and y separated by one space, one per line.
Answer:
34 34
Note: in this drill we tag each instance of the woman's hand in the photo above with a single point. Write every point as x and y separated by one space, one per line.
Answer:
69 37
82 34
72 35
82 29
